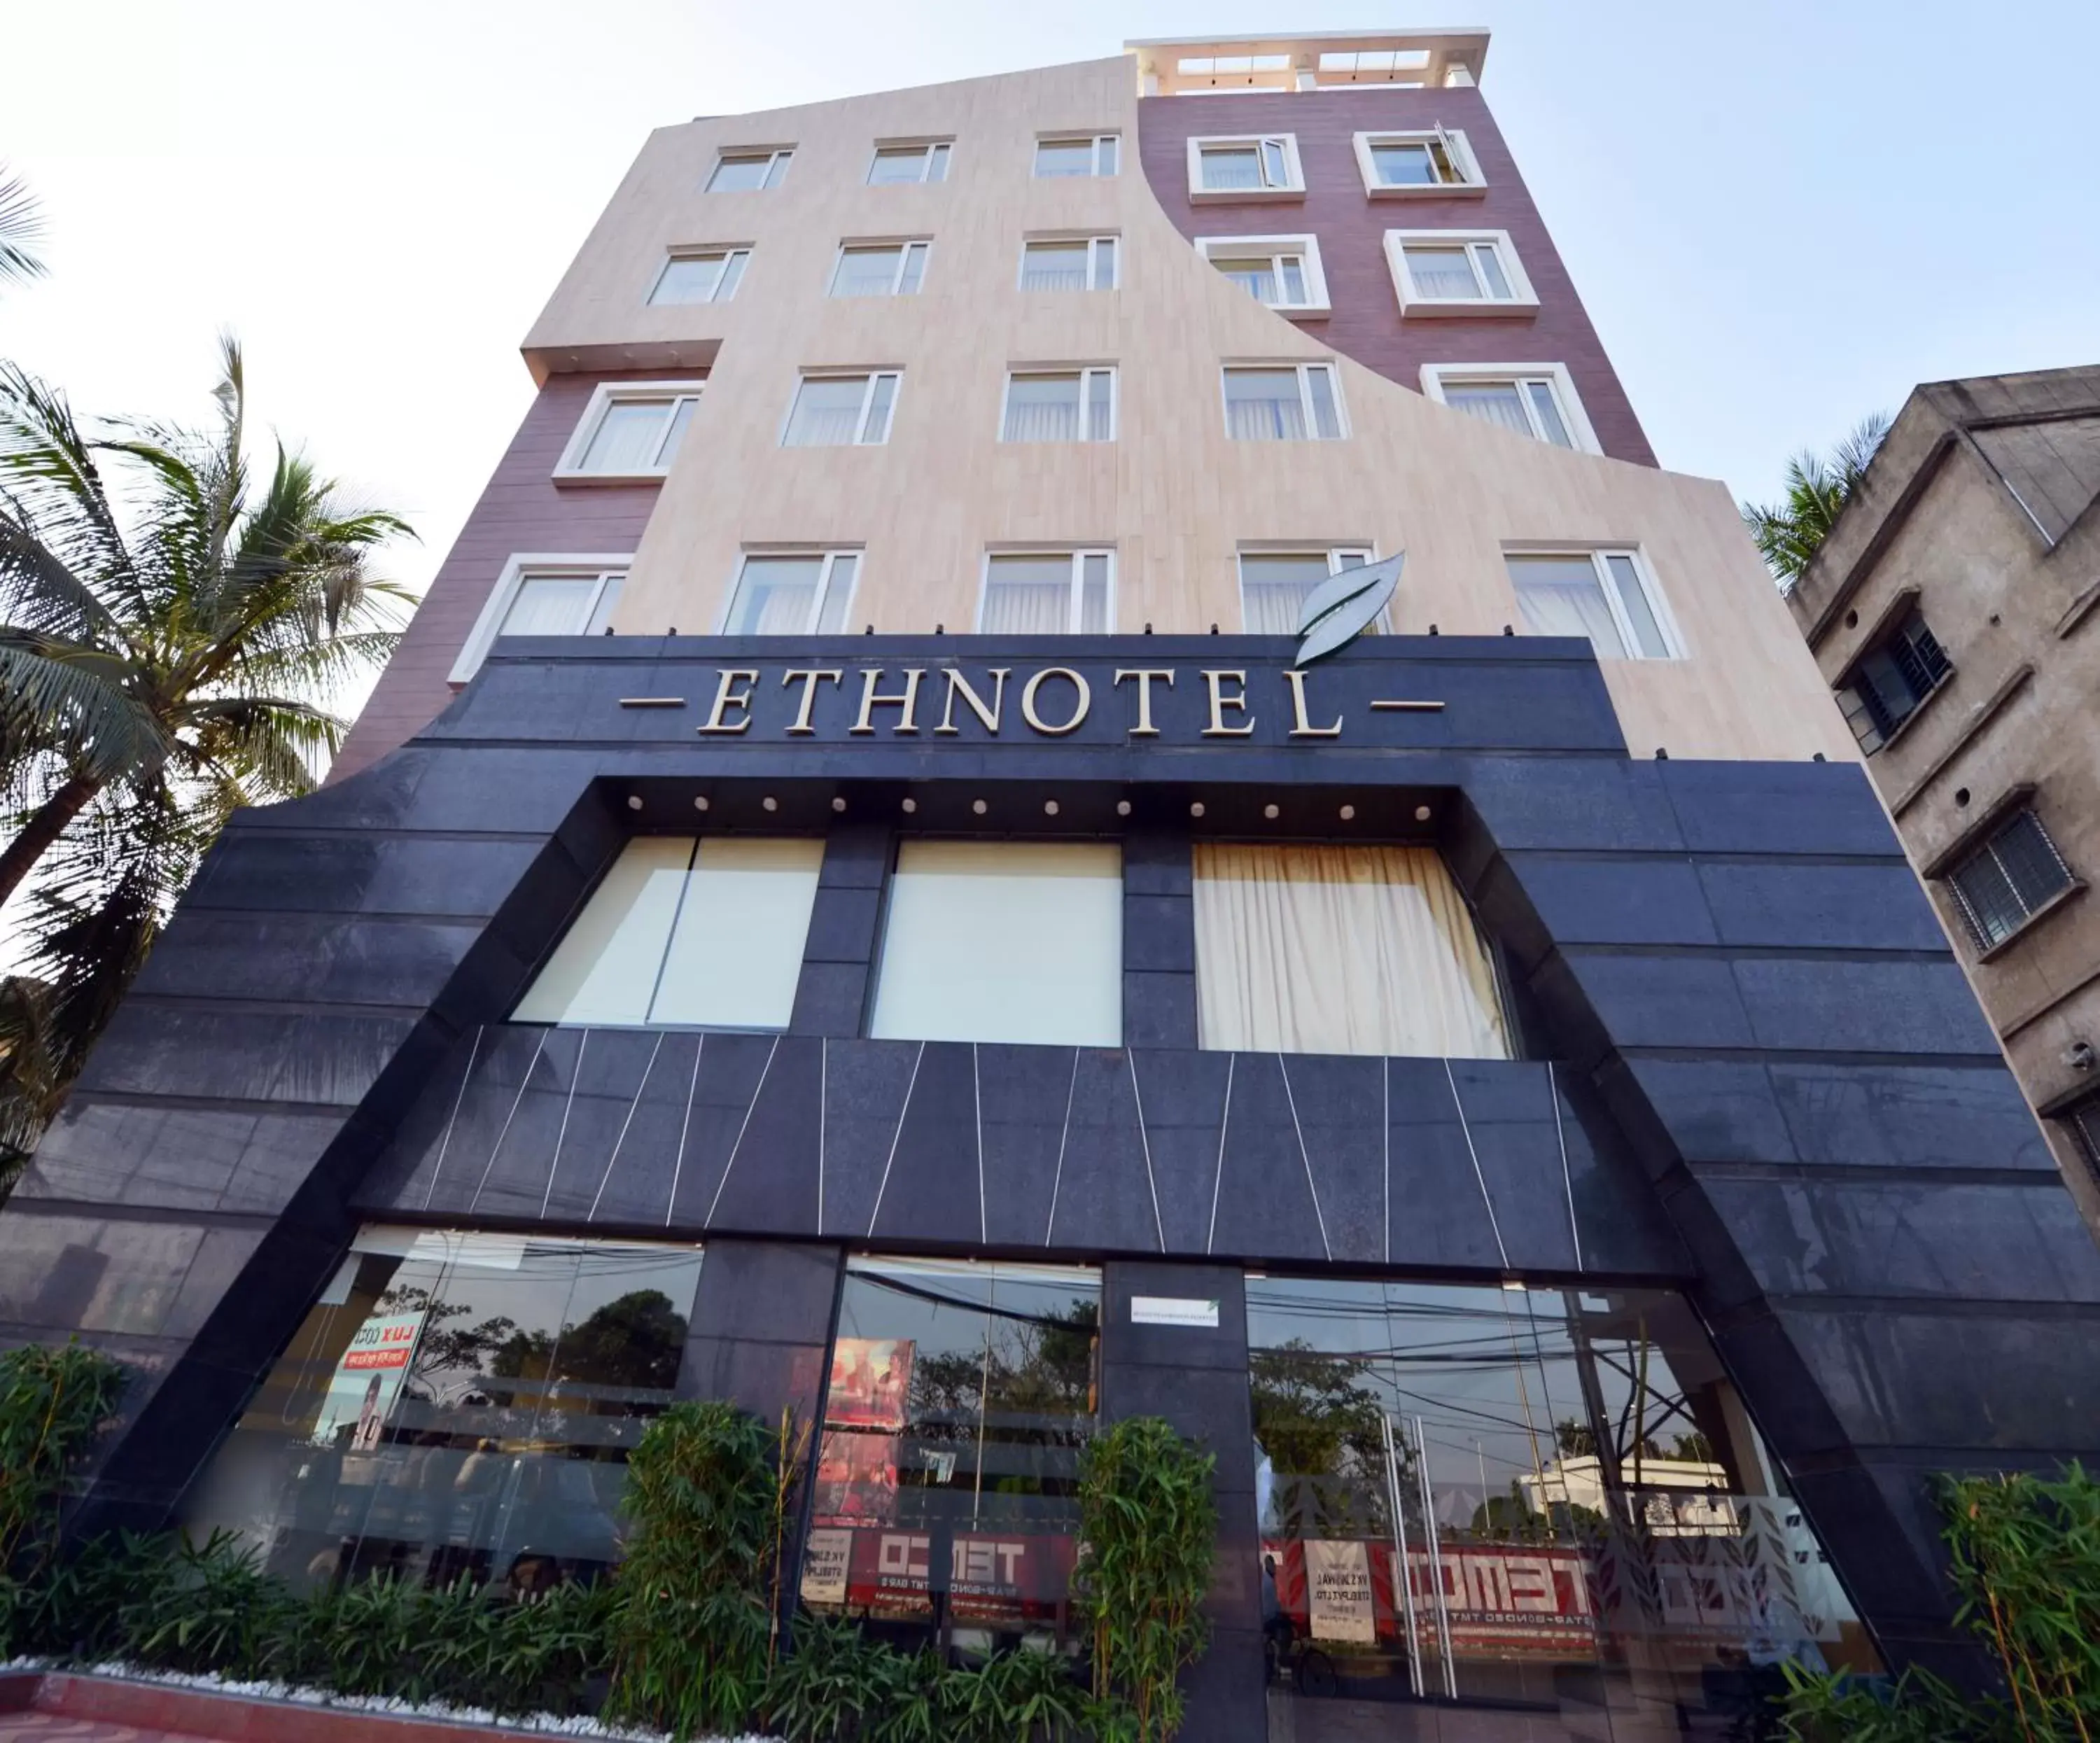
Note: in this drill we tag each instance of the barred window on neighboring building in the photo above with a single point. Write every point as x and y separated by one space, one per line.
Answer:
2084 1119
1890 681
2010 878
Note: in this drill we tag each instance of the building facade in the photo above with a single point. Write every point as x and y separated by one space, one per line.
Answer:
848 900
1953 612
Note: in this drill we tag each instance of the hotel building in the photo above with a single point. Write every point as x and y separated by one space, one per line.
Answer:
847 899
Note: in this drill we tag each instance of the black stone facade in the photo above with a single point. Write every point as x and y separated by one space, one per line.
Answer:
1755 1071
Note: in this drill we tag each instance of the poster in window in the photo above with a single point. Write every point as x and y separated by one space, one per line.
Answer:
871 1380
1337 1583
825 1564
856 1480
367 1379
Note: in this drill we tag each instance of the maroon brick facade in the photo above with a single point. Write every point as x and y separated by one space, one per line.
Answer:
521 510
1366 323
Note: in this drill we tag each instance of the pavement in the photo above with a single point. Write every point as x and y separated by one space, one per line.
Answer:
55 1727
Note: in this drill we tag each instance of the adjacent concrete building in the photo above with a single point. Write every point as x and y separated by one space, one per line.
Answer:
1955 610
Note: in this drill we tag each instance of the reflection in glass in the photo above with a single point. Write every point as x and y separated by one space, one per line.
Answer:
944 1502
457 1405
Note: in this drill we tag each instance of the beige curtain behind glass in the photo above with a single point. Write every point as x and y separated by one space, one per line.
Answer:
1340 950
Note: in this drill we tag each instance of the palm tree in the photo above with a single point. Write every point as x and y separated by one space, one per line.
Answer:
22 227
168 650
1789 534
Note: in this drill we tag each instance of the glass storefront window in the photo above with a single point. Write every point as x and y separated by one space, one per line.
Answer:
458 1404
945 1500
1587 1523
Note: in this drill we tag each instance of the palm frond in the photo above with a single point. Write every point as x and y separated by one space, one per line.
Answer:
1788 533
48 472
21 228
271 746
79 697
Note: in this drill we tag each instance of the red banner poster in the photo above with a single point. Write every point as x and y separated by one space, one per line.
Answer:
870 1381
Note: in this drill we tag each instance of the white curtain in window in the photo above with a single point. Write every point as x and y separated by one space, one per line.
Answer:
604 969
1054 266
736 951
1492 402
1237 166
827 412
1042 408
1264 405
549 605
1339 949
1003 941
1442 273
774 596
628 437
1028 596
1562 595
1257 278
866 272
1274 587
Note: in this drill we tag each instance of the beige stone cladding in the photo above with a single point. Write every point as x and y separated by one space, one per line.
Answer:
1173 495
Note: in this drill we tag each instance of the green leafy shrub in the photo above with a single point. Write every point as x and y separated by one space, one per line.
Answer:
1149 1526
2024 1557
693 1625
52 1402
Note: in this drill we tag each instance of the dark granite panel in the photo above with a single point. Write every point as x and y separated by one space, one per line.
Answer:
1777 808
1183 1096
1263 1204
1877 1522
305 956
68 1273
1127 1345
609 1074
406 1172
1223 1691
865 1088
1718 1110
273 872
857 856
242 1294
1663 1001
1340 1104
1903 1238
1104 1191
731 1067
279 1159
842 924
1210 1406
1620 1226
1159 934
179 1157
762 1378
1553 802
762 1291
1615 901
1838 907
831 999
1157 862
1022 1092
1510 1116
1783 1387
1908 1116
644 1159
521 1169
1896 1007
935 1188
1439 1213
771 1180
241 1056
1160 1010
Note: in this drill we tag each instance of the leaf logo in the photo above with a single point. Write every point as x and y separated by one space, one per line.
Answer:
1342 607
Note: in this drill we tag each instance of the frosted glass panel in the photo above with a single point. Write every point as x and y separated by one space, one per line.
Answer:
604 971
1003 941
736 948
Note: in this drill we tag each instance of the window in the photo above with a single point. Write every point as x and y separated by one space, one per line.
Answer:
880 269
1339 949
1282 403
1450 272
459 1404
1282 271
630 430
1889 681
1069 263
1081 156
1434 161
1274 585
895 164
1600 594
793 594
1250 168
556 595
2084 1119
945 1503
704 275
703 934
841 411
1056 592
1003 941
1059 405
742 172
2016 874
1537 400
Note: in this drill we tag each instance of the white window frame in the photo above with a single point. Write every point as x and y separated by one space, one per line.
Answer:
1435 376
721 253
1457 147
1292 189
606 395
1305 397
1522 300
931 151
1380 625
1076 593
1651 589
1305 246
868 378
903 244
1093 261
1104 143
516 570
830 558
778 158
1086 373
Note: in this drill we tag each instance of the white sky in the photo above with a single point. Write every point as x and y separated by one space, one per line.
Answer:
1780 216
